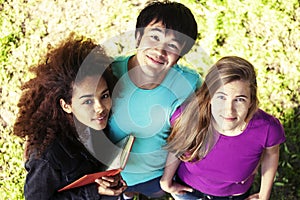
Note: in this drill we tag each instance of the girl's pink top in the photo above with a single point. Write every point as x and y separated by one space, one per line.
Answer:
230 165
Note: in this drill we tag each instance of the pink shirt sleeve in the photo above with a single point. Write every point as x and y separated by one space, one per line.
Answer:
275 133
176 114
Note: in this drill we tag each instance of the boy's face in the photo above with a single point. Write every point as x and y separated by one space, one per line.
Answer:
158 49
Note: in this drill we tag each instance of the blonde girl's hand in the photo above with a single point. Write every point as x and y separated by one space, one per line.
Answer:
111 185
174 187
253 197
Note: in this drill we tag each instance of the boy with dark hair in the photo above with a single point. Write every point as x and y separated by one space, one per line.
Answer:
173 16
152 86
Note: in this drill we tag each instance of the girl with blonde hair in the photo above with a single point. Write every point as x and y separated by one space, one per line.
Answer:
221 137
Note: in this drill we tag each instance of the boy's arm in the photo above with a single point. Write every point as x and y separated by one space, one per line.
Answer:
167 183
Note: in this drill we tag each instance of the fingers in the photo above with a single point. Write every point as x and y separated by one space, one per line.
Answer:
176 188
109 181
110 191
112 186
253 197
187 189
112 178
182 190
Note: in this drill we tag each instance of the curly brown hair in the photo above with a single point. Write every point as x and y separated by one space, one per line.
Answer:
41 119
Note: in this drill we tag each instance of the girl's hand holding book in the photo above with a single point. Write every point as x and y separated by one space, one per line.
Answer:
111 185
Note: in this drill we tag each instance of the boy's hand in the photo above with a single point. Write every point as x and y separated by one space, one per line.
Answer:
111 185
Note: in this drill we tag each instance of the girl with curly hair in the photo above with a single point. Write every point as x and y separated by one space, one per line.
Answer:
69 95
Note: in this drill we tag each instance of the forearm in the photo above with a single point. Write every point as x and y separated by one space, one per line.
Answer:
167 183
170 168
268 171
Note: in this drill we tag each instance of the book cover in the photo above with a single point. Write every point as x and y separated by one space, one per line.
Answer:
115 159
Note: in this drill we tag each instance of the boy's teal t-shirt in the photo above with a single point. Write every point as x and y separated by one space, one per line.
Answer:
146 114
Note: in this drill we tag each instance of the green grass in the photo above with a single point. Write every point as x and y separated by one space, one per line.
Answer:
264 32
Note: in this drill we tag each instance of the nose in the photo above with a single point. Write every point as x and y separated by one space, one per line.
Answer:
229 107
161 49
98 106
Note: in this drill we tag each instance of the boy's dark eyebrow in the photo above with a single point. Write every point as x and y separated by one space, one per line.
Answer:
157 29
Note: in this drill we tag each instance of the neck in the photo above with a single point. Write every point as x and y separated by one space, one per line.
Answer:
80 128
234 132
139 78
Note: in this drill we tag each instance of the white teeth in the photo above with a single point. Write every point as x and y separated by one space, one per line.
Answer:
100 118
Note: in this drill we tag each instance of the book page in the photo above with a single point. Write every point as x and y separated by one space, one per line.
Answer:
125 146
126 151
105 151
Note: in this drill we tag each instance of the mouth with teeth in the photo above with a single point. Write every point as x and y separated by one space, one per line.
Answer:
101 118
156 61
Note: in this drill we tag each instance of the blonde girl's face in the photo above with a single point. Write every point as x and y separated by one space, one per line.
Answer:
91 102
229 107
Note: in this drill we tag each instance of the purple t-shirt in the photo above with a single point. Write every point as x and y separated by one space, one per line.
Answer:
229 167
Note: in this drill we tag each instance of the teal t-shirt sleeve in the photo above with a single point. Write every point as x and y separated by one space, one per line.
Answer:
119 65
194 80
199 82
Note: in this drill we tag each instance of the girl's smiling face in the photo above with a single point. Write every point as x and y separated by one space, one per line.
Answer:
91 102
229 107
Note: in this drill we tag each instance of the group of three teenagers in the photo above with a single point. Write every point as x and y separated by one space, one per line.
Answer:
151 87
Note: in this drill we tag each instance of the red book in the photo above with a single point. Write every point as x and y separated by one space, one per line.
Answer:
116 166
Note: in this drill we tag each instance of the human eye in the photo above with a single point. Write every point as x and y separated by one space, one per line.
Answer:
221 97
173 47
105 96
240 99
155 37
88 101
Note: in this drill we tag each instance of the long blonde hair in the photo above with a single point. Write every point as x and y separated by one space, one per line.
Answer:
192 134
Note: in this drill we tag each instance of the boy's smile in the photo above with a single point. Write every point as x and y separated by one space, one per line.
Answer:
158 51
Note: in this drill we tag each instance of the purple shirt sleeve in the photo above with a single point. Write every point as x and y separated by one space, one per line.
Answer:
176 114
275 133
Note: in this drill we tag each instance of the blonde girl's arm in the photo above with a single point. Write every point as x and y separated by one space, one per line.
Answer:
167 183
269 166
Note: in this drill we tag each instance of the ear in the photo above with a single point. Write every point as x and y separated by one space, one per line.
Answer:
138 38
66 107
